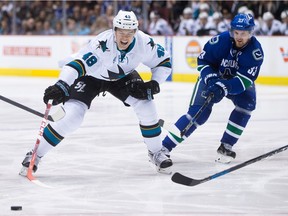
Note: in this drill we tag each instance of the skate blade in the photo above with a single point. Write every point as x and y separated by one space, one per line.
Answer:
23 171
223 159
167 170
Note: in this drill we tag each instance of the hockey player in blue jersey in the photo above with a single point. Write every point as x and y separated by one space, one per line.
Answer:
229 65
107 64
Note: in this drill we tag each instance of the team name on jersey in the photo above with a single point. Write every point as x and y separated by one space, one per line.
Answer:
229 63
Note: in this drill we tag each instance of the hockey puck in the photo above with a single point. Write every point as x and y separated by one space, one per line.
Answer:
16 208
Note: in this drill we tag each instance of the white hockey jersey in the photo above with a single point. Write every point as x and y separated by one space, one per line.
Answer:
102 59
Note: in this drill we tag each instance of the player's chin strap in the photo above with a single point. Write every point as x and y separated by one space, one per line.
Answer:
196 116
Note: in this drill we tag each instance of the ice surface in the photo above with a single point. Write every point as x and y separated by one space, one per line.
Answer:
103 169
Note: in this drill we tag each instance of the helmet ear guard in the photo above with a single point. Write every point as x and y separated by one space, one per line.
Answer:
125 20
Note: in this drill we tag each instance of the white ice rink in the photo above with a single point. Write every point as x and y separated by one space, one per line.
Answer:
102 168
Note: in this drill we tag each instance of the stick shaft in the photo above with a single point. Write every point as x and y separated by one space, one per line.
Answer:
196 116
185 180
21 106
40 134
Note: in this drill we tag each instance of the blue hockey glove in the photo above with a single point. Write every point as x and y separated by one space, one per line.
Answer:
144 91
59 93
219 90
210 78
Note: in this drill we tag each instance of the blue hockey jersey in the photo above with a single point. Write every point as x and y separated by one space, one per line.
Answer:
239 67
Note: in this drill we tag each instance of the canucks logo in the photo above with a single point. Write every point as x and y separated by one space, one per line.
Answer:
257 54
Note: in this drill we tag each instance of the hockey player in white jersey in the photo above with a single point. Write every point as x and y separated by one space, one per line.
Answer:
107 64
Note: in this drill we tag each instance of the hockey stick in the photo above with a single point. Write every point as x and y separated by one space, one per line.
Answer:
196 116
34 154
55 117
192 121
184 180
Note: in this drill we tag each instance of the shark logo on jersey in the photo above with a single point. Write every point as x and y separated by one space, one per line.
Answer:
151 42
160 51
115 76
103 46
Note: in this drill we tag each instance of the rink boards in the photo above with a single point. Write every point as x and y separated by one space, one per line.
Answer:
39 56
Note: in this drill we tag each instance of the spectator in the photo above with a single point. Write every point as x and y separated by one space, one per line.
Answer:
101 24
94 13
203 25
187 25
72 28
203 7
257 28
30 26
284 26
38 27
4 27
270 25
27 12
136 7
83 28
217 23
84 15
76 13
224 24
159 26
110 15
242 9
59 28
47 29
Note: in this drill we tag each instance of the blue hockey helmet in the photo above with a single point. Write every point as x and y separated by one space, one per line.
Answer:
243 22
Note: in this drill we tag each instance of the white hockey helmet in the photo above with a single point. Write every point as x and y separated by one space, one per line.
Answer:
125 20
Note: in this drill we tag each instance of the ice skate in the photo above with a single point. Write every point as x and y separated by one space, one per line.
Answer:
26 163
166 151
162 163
225 154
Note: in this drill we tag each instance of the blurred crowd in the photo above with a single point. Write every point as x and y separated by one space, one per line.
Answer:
170 17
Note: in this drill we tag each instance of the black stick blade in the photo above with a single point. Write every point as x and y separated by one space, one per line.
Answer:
184 180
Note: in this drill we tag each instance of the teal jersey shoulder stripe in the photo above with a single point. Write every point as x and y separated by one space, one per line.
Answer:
165 63
78 66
